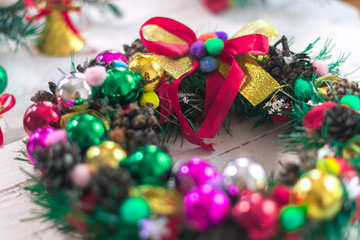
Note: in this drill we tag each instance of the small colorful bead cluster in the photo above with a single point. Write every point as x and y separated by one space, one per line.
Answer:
207 46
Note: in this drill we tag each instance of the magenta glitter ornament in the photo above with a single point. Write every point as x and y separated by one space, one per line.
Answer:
36 140
205 207
192 173
111 55
41 115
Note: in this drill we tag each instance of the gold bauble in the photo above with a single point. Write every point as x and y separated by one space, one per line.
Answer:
151 71
161 201
321 192
107 154
322 83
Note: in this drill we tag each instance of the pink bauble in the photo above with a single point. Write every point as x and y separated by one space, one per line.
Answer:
41 115
81 175
56 136
205 206
37 140
192 173
257 214
322 68
110 55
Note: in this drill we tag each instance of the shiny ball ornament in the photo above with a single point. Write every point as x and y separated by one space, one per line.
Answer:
3 80
106 154
194 172
111 55
150 97
121 86
41 115
205 207
292 217
149 69
162 201
350 101
148 164
321 192
86 130
244 173
256 214
37 140
73 91
133 209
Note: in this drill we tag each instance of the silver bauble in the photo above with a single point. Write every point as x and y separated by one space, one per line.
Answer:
73 91
244 173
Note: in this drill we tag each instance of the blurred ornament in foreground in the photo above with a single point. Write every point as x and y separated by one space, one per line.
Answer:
108 56
244 174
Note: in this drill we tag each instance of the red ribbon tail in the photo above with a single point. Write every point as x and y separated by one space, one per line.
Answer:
164 102
188 132
1 137
223 101
214 81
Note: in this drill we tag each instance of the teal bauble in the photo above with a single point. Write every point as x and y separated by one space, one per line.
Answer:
121 86
3 80
86 130
148 164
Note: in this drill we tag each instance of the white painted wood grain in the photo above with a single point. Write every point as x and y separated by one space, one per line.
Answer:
30 72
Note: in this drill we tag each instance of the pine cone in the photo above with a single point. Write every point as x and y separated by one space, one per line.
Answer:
56 162
290 173
308 157
227 230
136 47
135 127
341 123
342 88
285 66
92 63
111 186
43 95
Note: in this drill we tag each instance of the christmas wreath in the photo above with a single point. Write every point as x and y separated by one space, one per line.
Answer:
97 139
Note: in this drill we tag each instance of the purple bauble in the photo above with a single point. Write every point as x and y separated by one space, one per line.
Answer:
111 55
222 35
192 173
205 207
36 140
198 50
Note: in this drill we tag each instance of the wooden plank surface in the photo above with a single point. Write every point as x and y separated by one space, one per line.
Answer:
30 72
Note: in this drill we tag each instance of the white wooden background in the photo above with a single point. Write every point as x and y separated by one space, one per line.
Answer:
304 19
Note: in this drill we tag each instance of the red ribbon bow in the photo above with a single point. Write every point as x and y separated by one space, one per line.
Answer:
3 109
220 93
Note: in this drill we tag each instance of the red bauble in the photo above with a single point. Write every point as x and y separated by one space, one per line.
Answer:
41 115
216 5
281 194
258 215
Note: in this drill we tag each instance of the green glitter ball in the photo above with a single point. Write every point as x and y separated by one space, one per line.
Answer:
133 209
214 46
293 218
3 80
351 101
148 164
86 130
121 86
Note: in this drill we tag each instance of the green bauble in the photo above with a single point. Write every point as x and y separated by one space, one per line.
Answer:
293 217
3 80
148 164
351 101
133 209
121 86
86 130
